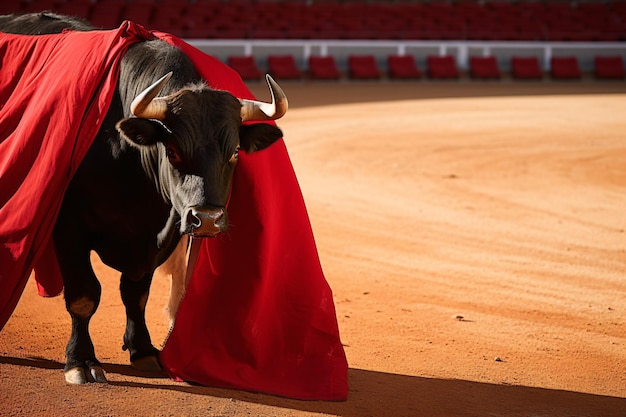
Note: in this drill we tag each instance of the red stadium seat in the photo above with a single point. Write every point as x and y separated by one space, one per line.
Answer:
283 67
106 15
323 67
363 67
79 8
525 67
402 66
564 67
609 67
245 66
350 19
442 67
139 11
485 67
33 6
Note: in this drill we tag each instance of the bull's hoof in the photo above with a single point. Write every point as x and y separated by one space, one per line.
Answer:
97 374
147 364
75 376
80 376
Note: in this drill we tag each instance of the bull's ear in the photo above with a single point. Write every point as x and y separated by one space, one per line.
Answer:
143 132
258 136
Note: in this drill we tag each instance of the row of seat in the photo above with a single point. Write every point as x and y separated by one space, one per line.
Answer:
438 67
353 19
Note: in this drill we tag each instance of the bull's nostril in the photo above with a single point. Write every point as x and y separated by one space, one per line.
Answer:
193 220
205 222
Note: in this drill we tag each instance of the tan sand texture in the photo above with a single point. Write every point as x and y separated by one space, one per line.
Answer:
474 235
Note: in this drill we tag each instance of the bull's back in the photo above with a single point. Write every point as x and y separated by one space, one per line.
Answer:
41 23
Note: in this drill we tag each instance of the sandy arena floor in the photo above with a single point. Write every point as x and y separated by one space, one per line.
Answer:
474 235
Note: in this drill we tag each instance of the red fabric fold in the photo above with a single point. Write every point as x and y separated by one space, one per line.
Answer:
258 314
54 91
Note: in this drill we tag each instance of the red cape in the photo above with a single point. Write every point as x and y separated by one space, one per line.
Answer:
54 90
258 314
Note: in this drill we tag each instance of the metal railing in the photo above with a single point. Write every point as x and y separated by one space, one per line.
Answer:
462 50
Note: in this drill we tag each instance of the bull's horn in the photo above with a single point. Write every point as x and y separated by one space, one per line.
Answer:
258 110
146 106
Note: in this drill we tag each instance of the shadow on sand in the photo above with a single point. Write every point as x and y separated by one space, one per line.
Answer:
382 394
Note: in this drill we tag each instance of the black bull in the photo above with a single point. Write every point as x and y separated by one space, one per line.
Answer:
157 170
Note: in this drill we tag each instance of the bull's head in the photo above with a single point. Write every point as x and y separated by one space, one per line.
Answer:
197 133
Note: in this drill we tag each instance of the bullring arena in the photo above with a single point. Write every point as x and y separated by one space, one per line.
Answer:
473 233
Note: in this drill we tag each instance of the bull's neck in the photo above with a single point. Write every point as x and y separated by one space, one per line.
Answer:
156 167
157 170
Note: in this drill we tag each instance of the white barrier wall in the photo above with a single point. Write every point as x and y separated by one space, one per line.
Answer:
502 50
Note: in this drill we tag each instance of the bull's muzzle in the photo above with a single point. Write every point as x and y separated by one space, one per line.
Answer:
207 222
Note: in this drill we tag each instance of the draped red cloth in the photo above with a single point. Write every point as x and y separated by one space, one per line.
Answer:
54 92
258 314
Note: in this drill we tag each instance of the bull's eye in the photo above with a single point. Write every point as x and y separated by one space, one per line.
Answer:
173 155
235 156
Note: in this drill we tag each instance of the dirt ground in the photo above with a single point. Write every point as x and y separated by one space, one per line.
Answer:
474 235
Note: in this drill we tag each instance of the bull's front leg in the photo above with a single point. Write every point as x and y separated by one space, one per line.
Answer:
143 355
81 300
82 296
